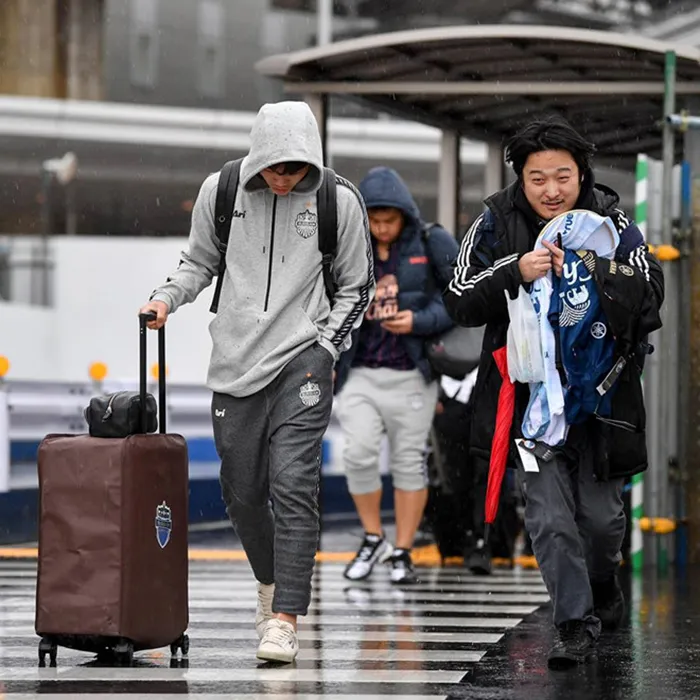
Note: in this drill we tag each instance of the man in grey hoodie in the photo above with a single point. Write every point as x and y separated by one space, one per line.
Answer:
276 338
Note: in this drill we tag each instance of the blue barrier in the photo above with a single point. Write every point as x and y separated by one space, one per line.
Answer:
201 449
19 508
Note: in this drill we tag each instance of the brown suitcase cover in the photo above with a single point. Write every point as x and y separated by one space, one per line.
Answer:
113 559
111 564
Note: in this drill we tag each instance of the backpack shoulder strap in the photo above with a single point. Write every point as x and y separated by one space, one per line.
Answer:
223 212
327 208
428 226
425 235
435 268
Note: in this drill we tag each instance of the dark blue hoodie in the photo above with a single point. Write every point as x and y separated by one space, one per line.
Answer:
425 268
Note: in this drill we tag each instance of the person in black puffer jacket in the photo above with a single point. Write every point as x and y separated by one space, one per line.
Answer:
574 510
385 382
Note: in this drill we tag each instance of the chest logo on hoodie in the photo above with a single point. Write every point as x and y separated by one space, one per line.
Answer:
306 224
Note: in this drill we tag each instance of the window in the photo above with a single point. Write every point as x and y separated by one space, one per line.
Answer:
212 69
144 43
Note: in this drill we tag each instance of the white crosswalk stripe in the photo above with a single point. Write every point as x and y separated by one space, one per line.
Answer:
368 641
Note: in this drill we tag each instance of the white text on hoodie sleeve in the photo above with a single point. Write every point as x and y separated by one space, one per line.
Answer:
354 270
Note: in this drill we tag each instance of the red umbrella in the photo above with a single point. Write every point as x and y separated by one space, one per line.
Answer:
500 445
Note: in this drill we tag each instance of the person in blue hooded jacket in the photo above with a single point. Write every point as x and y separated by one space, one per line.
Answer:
385 383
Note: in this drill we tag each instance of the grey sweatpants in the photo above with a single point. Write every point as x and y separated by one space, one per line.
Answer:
270 448
577 525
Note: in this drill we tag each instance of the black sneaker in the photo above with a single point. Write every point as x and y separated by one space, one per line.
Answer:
574 646
608 602
374 550
479 562
402 567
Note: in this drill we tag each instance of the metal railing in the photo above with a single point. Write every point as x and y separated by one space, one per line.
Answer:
30 410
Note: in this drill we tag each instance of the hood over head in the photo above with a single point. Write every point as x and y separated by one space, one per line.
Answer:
283 131
383 187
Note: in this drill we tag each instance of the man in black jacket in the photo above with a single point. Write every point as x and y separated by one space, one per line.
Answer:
574 511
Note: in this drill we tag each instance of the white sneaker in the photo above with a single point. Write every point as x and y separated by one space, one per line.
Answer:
279 643
373 550
402 567
266 592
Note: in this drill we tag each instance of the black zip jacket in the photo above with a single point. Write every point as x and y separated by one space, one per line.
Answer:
487 267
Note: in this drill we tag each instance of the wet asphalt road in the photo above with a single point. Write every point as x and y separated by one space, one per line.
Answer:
452 636
655 655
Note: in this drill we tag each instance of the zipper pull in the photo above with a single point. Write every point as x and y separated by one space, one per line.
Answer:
108 411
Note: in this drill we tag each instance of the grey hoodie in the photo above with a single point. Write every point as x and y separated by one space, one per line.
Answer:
273 303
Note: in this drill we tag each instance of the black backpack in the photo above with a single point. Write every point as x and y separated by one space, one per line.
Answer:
327 223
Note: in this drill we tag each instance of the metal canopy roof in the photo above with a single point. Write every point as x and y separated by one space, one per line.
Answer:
472 9
486 81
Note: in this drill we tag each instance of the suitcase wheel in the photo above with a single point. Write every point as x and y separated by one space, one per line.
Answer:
183 643
47 646
124 651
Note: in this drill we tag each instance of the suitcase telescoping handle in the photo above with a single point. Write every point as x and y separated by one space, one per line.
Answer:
143 330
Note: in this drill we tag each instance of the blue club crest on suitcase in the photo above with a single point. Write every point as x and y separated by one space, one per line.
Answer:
164 524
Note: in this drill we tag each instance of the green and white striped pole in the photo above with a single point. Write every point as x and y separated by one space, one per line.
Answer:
637 499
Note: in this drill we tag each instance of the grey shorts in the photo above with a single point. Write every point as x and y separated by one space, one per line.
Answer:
375 401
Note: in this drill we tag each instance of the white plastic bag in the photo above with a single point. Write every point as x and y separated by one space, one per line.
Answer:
524 344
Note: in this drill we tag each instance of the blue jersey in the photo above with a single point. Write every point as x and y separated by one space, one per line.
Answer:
586 344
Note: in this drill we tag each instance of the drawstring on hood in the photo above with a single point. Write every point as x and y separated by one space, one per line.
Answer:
282 132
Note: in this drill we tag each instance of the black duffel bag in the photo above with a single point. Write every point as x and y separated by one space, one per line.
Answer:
119 415
455 352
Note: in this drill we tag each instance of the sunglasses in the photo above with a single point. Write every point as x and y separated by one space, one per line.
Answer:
291 167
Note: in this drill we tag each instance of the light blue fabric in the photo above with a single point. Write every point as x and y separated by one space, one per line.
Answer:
544 418
582 230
